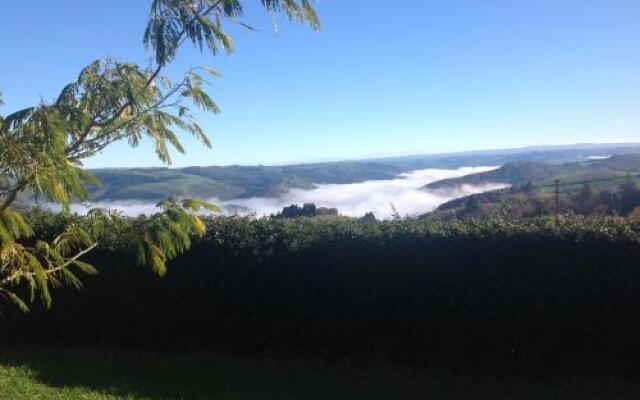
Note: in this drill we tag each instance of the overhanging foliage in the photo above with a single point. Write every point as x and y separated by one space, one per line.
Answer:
42 147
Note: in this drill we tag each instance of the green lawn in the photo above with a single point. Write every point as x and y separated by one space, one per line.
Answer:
99 375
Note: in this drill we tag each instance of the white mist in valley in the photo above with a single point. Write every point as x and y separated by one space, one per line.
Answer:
405 194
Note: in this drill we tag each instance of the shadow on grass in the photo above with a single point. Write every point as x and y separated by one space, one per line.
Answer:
137 376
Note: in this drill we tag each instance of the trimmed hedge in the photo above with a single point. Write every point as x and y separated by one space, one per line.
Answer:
523 294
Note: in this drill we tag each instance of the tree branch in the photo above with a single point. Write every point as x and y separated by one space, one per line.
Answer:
93 123
49 271
13 194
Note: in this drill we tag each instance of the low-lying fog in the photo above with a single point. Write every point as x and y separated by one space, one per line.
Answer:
403 193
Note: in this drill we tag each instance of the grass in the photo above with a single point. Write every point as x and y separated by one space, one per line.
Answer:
599 180
62 374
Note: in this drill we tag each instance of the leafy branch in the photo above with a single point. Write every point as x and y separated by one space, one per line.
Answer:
42 147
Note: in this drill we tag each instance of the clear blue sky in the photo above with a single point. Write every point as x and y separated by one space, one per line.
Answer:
415 76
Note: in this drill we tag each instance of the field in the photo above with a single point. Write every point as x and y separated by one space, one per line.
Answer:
65 374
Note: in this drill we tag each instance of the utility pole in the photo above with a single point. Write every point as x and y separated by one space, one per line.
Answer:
557 193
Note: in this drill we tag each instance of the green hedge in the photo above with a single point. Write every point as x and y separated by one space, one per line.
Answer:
521 294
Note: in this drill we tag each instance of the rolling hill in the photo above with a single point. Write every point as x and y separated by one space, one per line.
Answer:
533 184
519 173
232 182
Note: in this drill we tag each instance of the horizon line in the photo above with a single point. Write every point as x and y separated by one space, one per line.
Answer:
388 156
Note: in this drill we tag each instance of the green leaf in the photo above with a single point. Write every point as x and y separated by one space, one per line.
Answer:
211 71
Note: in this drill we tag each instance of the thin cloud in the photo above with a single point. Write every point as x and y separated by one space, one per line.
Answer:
564 56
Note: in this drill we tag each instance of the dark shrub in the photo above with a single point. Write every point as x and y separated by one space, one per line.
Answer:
520 294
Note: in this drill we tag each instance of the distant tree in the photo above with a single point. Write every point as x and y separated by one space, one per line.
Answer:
472 205
307 210
528 187
369 217
585 200
292 211
324 211
606 201
586 194
628 197
42 147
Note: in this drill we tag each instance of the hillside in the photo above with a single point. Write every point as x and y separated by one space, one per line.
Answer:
231 182
511 173
554 155
606 186
520 173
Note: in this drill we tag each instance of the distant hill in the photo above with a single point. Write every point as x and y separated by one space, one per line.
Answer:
512 173
518 173
533 185
561 154
230 182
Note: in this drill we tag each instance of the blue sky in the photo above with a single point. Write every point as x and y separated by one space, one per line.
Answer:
417 76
